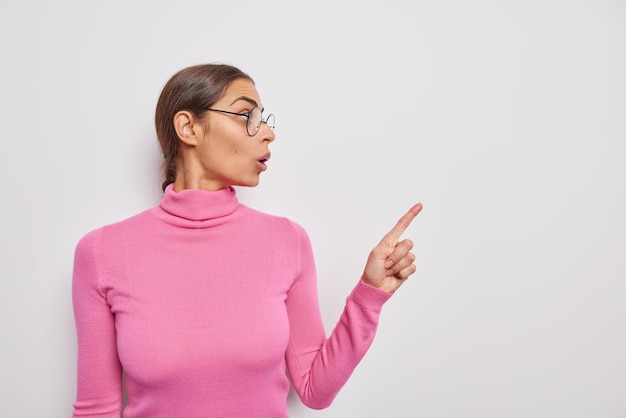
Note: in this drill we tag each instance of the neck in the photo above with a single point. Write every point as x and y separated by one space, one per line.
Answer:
187 179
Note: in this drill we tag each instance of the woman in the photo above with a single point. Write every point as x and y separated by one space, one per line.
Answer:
204 302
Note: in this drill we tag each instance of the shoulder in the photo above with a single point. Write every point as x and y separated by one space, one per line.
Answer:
93 238
86 246
275 224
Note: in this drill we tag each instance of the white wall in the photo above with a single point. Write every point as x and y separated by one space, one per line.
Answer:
505 118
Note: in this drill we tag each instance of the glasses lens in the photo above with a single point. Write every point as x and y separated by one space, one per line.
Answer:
270 121
254 121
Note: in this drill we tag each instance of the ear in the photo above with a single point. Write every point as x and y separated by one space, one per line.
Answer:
188 128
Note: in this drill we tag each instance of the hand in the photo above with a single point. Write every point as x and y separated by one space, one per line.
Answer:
390 263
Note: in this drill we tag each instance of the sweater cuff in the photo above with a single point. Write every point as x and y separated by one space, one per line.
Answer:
369 297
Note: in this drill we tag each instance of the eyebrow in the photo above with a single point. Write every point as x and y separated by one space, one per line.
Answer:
247 99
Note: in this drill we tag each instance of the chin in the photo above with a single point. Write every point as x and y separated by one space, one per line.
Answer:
249 183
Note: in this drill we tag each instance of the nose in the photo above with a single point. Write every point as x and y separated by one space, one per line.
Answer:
266 133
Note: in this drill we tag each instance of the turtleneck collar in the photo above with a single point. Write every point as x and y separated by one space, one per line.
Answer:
194 208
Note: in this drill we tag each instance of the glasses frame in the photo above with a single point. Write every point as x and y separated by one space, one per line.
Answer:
247 116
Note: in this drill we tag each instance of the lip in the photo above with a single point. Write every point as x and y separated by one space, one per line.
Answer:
261 162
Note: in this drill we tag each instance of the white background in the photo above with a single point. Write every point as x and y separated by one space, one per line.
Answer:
507 119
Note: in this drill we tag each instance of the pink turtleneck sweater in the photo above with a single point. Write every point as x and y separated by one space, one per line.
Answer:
204 304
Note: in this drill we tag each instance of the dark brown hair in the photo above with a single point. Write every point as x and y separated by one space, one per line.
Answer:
190 89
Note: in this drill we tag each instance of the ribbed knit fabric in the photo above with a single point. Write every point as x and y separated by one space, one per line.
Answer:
205 303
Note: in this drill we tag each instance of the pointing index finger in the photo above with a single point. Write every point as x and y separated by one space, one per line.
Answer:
394 235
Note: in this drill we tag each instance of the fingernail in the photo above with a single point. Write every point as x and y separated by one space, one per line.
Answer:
388 263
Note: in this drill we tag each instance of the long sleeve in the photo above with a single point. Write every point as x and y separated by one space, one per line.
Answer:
99 392
204 312
320 366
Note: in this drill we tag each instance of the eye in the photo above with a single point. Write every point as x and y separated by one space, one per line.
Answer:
245 114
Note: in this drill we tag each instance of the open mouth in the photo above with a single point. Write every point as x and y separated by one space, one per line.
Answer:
262 162
264 158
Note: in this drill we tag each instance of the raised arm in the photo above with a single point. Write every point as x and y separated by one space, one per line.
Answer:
320 366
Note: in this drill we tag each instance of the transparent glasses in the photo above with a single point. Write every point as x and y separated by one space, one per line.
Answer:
254 118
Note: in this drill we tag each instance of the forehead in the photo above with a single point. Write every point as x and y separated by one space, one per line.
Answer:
240 90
